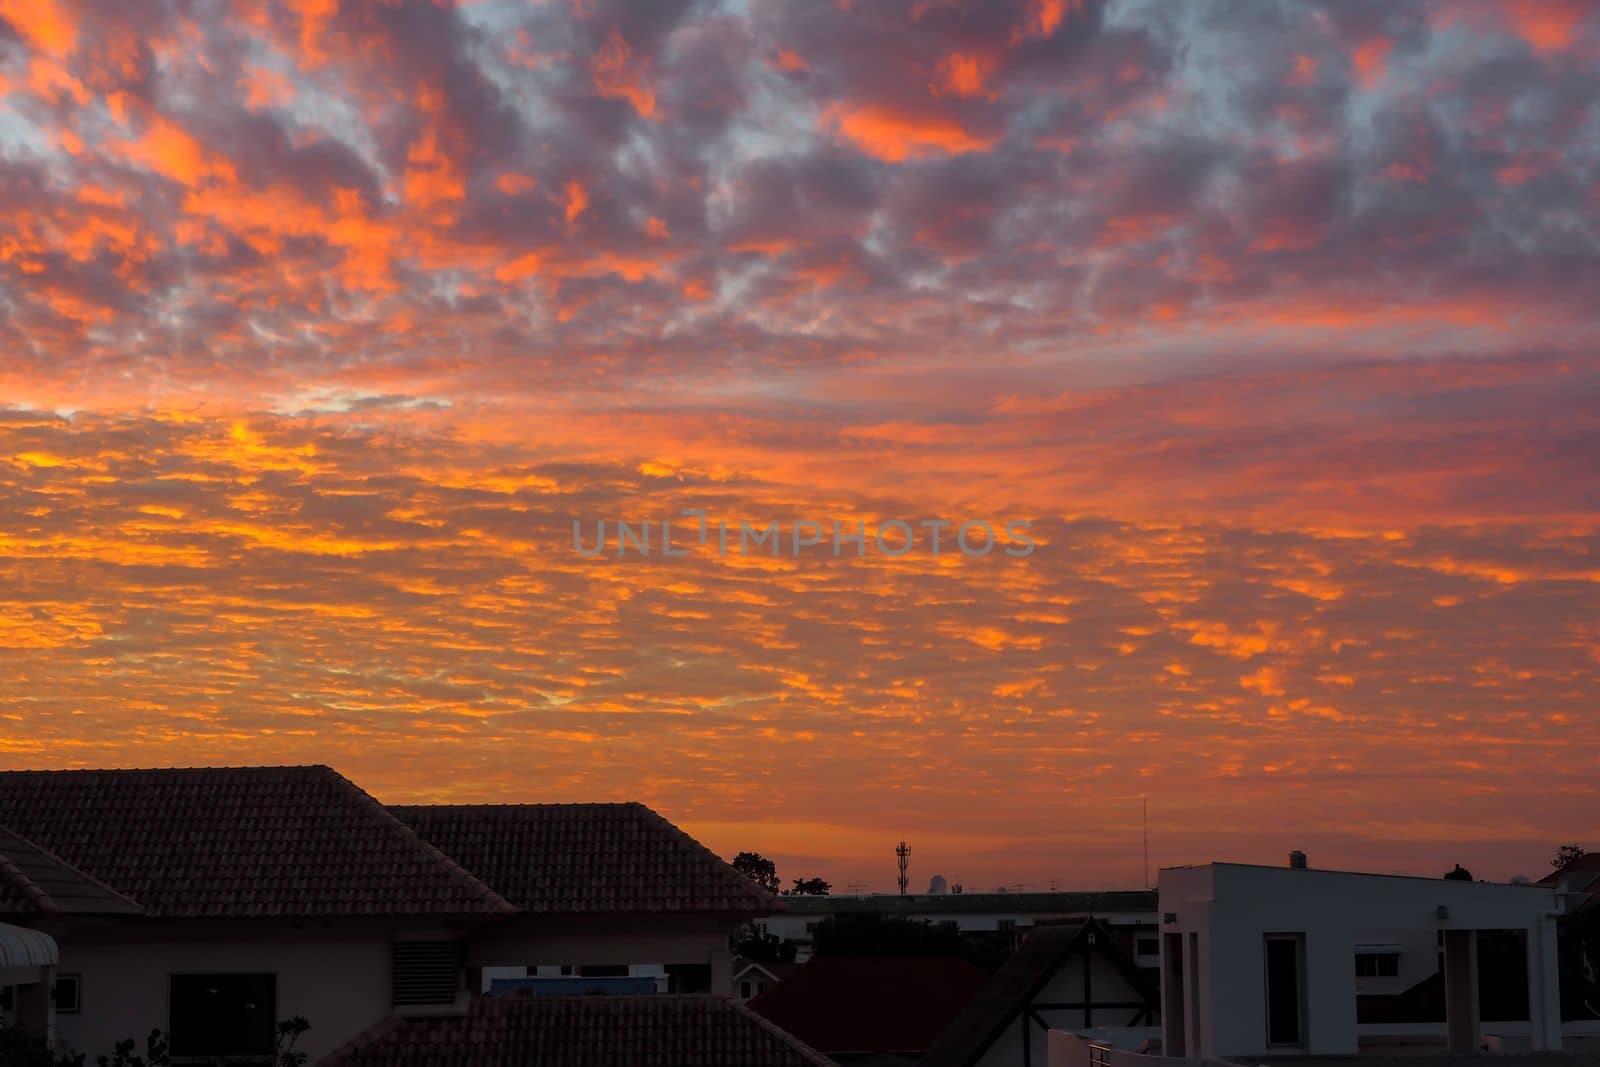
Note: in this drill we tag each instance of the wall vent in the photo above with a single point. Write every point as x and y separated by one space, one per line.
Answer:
425 972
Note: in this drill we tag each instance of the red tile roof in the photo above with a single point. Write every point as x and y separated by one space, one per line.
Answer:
644 1031
34 882
240 842
866 1004
572 858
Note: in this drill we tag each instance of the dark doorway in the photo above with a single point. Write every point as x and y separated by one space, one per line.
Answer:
1285 989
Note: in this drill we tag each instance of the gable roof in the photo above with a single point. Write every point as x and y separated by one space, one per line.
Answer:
1018 981
1580 876
33 881
862 1004
776 971
240 842
617 1031
575 858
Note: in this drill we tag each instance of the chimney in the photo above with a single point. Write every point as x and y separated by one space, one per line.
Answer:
1297 860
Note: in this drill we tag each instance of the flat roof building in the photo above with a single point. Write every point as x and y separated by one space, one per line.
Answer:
1262 960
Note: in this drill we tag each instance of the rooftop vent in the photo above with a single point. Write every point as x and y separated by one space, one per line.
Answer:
1297 860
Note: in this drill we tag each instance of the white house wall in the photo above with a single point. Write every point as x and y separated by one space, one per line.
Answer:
338 982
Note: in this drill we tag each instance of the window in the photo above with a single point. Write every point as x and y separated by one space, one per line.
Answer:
424 972
1008 924
604 970
744 990
68 994
1377 964
223 1015
1147 946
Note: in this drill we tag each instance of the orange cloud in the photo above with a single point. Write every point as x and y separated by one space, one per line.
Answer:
617 75
895 136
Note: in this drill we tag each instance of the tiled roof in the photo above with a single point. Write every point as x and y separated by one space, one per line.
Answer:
35 882
864 1004
240 842
572 858
1027 971
643 1031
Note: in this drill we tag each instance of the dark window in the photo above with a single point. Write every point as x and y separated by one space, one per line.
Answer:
744 990
604 970
1008 924
224 1014
1284 990
1148 946
688 977
68 994
425 972
566 970
1377 964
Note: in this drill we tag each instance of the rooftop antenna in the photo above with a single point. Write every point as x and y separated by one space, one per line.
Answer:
903 851
1144 806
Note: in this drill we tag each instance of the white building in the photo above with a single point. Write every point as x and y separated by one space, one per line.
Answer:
1269 960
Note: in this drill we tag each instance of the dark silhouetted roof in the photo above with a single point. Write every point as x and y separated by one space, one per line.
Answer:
861 1004
571 858
33 881
1102 903
645 1031
1580 876
1022 976
240 842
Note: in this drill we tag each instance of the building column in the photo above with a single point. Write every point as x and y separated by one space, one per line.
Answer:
722 972
1461 990
1544 987
1173 997
36 1008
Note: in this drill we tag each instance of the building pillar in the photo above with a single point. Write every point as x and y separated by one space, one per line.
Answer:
722 972
36 1009
1544 987
1173 1000
1461 990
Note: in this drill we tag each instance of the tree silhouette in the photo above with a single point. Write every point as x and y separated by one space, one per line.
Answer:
760 870
1567 855
810 887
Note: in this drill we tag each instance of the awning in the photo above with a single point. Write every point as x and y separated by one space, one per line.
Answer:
20 947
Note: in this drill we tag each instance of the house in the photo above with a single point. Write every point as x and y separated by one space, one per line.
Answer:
752 978
1070 976
36 885
1579 879
1270 960
889 1008
213 903
602 891
1130 915
618 1031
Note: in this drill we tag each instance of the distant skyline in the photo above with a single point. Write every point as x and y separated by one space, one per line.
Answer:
323 321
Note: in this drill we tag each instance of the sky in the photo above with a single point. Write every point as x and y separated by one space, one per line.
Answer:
322 323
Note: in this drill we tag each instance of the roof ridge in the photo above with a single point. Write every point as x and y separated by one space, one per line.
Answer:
371 1033
30 889
170 770
394 825
757 893
816 1057
514 805
47 903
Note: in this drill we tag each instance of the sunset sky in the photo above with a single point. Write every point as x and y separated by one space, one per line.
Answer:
322 322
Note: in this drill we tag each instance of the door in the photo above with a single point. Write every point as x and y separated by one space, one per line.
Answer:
1286 990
